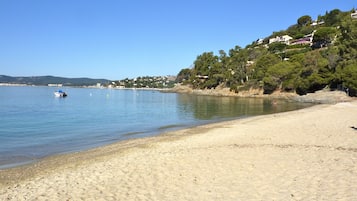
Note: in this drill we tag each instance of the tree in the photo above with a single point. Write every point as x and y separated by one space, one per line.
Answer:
263 63
348 76
207 65
278 76
323 36
347 43
237 66
306 30
331 54
294 31
183 75
224 60
255 53
332 18
313 74
204 63
304 20
277 47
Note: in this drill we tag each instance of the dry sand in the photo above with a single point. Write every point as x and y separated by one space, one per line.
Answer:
310 154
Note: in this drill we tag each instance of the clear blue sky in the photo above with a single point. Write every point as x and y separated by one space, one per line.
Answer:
115 39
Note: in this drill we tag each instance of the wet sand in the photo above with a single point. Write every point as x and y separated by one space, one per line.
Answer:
310 154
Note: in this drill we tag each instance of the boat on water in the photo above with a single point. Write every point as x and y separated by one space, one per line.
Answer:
60 93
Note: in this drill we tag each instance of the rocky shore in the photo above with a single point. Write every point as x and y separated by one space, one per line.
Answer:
324 96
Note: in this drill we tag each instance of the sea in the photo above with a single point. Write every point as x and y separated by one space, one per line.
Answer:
35 124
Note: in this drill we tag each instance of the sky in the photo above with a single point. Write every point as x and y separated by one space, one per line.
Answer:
117 39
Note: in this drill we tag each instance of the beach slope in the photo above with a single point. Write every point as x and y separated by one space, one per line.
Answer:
310 154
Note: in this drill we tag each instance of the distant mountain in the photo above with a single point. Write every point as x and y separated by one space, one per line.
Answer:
45 80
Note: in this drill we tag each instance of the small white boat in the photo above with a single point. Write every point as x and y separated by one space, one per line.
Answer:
60 93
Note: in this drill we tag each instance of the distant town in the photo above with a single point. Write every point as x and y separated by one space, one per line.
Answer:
159 82
145 82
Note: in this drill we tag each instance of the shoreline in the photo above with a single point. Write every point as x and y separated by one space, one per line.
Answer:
324 96
305 154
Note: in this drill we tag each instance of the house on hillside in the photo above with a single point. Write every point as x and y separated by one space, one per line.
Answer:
316 23
202 77
306 40
302 41
354 15
259 41
281 39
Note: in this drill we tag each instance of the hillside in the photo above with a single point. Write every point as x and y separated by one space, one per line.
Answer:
308 56
45 80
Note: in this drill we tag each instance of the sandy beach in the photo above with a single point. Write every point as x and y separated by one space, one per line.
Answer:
310 154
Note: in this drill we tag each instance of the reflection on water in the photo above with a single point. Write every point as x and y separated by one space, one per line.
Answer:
209 107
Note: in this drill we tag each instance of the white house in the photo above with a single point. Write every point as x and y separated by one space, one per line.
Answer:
315 23
259 41
354 15
281 39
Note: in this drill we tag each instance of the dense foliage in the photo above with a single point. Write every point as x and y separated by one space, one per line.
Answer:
301 66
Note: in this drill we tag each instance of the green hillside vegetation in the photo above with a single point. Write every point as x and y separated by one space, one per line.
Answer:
306 57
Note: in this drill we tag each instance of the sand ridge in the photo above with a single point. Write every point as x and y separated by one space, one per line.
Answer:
309 154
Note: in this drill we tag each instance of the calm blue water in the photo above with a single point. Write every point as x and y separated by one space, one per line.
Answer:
35 124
